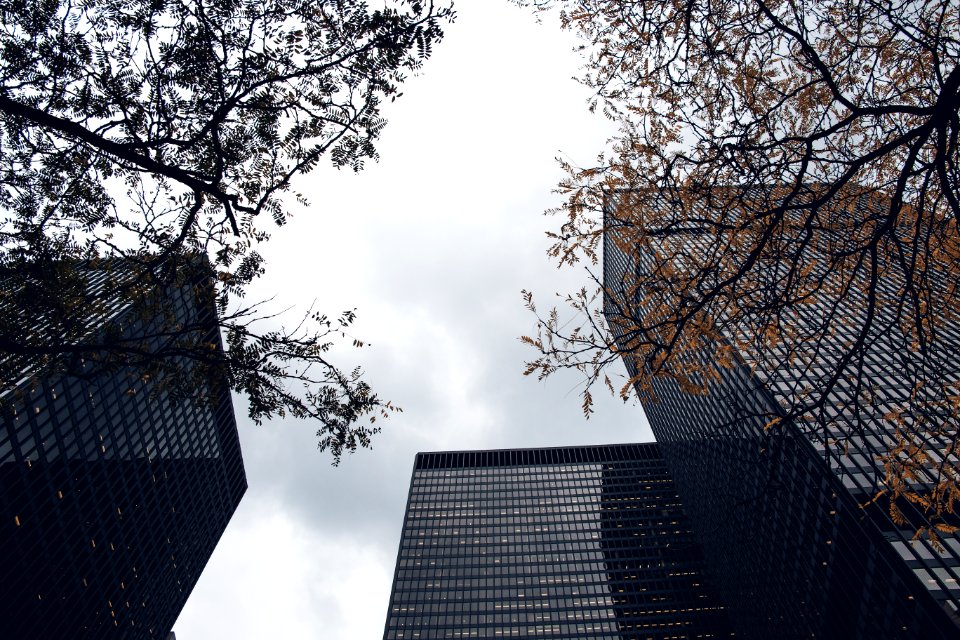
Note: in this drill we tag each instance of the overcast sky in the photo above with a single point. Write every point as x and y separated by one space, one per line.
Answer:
432 245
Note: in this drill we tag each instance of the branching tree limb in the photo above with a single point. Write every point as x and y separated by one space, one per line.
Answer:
786 183
136 137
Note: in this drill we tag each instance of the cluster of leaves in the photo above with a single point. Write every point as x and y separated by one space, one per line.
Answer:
144 134
786 182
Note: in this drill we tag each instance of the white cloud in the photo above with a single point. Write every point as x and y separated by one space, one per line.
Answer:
432 245
287 580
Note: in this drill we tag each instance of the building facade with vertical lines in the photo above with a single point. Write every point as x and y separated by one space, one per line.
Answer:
113 495
575 542
796 547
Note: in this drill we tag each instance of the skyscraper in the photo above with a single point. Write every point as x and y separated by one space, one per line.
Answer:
797 548
575 542
113 493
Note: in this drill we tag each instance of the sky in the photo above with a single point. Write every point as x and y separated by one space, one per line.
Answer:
432 246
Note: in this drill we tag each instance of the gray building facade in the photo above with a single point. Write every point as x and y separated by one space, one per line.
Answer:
798 548
113 494
574 542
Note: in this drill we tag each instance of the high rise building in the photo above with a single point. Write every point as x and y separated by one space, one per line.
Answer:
113 493
797 547
576 542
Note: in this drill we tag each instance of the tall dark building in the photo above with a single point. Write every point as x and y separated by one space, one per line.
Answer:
576 542
113 494
796 546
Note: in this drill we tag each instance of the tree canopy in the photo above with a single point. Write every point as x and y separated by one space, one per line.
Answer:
137 136
787 173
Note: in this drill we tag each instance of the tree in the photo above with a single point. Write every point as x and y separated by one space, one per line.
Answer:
787 174
139 139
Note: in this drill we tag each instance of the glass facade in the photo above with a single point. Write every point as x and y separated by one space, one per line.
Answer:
794 553
113 495
578 542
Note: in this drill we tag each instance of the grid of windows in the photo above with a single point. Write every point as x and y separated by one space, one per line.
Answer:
584 542
112 498
794 553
